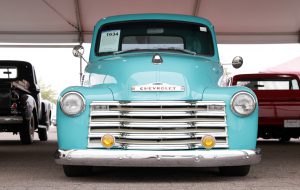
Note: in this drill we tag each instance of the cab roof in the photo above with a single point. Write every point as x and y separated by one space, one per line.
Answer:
171 17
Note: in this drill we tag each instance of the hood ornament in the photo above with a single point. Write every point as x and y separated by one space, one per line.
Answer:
157 59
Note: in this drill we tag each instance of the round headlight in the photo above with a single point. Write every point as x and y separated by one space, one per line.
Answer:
72 103
243 103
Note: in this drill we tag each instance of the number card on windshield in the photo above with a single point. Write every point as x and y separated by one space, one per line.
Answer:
109 41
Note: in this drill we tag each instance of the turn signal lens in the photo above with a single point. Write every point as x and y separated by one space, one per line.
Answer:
107 141
208 141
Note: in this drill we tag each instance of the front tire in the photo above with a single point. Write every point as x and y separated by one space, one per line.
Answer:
234 170
77 171
27 131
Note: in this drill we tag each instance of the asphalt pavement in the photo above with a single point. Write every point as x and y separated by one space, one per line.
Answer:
33 167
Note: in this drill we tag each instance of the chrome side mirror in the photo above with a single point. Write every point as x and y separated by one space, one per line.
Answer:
78 51
237 62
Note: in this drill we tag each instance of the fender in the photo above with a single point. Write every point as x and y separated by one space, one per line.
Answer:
45 118
28 104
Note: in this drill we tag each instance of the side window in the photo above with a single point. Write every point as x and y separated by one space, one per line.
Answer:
295 85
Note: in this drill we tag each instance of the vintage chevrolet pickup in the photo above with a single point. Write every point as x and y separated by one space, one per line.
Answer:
21 108
150 98
279 103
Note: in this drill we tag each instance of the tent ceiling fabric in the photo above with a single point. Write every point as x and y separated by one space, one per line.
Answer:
62 21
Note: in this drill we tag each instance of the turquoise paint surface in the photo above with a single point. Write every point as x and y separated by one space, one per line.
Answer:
199 75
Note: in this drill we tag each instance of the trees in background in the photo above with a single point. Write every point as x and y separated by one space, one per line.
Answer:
47 92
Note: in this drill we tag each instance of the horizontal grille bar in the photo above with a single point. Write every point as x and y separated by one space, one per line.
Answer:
158 125
156 135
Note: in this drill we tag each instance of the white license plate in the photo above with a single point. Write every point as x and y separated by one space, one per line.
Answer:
292 123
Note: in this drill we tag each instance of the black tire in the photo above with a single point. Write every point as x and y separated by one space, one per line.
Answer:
284 139
27 131
234 170
77 171
43 134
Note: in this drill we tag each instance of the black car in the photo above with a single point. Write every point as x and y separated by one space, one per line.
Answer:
21 108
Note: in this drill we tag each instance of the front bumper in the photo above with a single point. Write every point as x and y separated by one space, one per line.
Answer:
137 158
11 119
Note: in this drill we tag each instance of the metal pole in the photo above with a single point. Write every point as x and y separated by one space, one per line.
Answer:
80 69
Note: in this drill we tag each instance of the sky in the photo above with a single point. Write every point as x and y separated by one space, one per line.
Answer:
57 66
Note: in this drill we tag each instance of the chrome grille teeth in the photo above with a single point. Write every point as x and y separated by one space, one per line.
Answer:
159 125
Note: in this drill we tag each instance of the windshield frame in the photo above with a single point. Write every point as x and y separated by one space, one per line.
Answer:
99 32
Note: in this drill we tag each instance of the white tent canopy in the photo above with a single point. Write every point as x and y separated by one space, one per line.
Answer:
72 21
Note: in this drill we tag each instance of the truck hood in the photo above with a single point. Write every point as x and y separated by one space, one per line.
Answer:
188 74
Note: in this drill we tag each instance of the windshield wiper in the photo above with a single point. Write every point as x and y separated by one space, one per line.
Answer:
181 50
128 51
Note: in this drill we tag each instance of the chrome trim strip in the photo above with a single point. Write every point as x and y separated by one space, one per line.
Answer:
157 135
158 113
135 158
11 119
158 103
141 120
158 147
159 125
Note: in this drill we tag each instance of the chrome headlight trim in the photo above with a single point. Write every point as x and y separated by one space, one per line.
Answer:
234 98
82 107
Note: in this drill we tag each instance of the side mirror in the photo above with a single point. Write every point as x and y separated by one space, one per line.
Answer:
78 51
237 62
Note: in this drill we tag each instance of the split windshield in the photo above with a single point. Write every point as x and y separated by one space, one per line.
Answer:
182 37
270 84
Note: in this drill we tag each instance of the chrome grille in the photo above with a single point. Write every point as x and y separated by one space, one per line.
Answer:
158 125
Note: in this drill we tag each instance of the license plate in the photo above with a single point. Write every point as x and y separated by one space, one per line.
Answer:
292 123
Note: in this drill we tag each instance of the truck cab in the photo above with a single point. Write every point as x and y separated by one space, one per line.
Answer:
150 98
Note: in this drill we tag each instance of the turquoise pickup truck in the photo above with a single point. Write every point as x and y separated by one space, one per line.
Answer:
150 98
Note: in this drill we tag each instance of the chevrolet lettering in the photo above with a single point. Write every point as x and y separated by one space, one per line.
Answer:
157 87
150 98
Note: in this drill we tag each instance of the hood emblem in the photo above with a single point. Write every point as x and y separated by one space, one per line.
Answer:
157 59
157 87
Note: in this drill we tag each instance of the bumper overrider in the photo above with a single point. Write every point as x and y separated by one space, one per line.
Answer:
137 158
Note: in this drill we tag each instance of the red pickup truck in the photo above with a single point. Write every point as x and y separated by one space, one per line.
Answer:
279 103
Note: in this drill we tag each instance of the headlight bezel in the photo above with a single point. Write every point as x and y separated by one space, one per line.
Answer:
234 98
82 108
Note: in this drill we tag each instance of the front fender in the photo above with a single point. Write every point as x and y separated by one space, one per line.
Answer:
72 131
242 131
28 104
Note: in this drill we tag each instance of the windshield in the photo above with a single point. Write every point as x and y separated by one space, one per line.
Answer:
270 84
144 35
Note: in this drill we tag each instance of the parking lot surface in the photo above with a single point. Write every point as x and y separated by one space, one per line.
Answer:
33 167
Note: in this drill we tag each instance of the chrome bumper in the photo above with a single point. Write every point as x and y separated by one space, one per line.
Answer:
137 158
11 119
